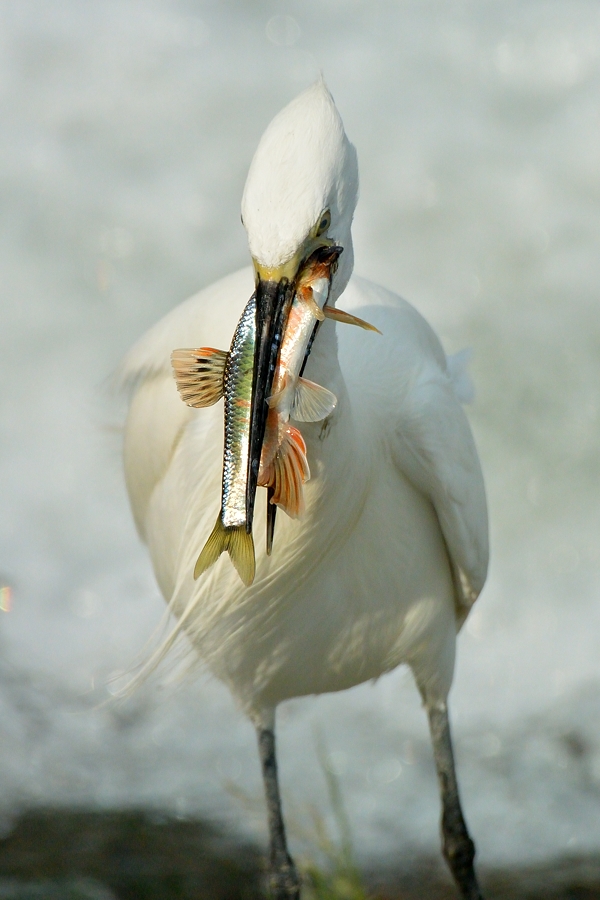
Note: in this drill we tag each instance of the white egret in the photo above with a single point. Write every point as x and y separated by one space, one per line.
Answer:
392 549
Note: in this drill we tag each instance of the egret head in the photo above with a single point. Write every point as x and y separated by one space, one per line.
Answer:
300 196
301 189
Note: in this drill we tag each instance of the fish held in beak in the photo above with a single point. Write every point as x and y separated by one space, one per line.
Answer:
275 290
273 301
260 379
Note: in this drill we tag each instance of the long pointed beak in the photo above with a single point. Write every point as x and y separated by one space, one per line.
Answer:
275 289
274 297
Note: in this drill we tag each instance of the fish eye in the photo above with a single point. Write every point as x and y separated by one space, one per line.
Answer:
324 223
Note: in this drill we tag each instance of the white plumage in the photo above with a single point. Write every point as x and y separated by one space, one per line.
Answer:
392 549
394 473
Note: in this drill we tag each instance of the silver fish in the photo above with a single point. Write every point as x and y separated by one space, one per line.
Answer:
203 376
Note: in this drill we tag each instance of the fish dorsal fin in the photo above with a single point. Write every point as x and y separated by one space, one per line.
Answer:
199 375
338 315
287 473
312 402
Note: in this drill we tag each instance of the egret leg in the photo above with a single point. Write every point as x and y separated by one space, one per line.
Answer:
458 848
283 882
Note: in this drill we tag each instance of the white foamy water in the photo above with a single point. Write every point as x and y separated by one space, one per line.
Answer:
126 133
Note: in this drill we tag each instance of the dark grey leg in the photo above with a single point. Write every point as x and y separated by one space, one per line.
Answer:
458 848
283 882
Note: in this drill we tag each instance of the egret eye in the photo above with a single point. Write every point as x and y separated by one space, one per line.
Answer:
324 223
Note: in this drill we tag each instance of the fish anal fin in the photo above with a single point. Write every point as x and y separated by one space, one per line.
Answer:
237 542
312 402
288 472
199 375
338 315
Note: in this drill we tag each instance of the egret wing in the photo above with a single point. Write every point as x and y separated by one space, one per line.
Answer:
434 447
418 407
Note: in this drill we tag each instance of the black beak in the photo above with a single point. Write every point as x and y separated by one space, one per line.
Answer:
273 302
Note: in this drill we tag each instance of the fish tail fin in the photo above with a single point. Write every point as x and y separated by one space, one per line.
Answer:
287 474
237 542
215 545
241 552
199 375
338 315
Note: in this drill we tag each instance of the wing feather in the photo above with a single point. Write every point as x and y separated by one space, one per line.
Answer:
428 432
434 447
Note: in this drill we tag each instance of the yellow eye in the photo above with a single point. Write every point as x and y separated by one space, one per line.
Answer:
324 223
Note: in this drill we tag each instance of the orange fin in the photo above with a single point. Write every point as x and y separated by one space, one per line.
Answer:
288 472
199 375
238 543
338 315
312 402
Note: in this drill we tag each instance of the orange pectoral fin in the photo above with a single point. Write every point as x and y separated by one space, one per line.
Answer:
199 375
288 472
338 315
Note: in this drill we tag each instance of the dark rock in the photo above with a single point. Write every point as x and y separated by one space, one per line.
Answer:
137 855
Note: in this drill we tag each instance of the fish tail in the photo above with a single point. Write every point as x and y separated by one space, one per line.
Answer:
237 542
212 549
241 551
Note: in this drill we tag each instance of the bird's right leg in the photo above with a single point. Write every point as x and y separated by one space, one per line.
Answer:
283 882
459 849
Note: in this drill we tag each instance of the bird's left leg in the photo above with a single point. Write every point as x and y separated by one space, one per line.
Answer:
283 882
459 849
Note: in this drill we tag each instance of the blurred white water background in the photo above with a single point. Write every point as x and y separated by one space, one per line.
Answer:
126 131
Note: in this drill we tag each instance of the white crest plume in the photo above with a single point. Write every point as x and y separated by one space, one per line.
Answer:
304 164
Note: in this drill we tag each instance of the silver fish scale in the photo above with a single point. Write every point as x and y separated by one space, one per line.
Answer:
237 385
